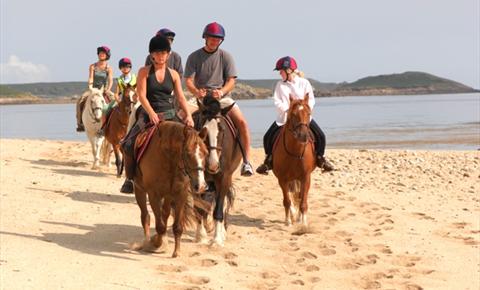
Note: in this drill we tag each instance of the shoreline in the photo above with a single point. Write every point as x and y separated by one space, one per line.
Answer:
5 101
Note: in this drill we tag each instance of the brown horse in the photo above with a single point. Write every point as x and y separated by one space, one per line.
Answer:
171 172
116 127
294 160
223 159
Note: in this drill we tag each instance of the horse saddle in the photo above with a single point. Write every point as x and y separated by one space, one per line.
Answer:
144 137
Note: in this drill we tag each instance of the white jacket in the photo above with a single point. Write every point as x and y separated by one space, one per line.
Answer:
298 88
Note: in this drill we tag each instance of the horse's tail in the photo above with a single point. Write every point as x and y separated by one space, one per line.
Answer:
190 213
294 191
230 203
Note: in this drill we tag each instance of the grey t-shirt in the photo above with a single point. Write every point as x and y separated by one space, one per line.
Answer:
174 62
210 70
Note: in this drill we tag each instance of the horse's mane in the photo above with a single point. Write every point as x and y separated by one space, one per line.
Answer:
174 134
211 107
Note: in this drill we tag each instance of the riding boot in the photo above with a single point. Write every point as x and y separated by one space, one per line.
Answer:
324 164
127 186
266 166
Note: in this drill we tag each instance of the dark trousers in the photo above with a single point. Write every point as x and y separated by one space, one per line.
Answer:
272 132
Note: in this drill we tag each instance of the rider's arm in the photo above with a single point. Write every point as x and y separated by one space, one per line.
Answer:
311 96
228 87
178 92
142 90
90 76
110 79
117 93
281 98
198 93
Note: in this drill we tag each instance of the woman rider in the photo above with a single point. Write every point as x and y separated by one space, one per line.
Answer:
155 84
294 85
100 76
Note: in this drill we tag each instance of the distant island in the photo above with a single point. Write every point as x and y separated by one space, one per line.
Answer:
407 83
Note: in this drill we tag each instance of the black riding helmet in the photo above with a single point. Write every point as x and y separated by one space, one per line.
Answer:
159 43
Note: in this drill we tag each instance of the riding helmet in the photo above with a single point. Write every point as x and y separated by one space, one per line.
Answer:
124 62
166 32
105 49
159 43
285 63
214 29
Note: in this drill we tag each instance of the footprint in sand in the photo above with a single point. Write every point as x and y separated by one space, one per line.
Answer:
384 249
328 252
269 275
413 287
309 255
197 280
298 282
312 268
208 263
406 261
171 268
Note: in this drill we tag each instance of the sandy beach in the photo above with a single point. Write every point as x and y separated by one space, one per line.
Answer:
386 219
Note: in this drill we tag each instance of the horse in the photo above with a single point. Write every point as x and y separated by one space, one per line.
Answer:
116 128
170 172
294 160
92 120
224 157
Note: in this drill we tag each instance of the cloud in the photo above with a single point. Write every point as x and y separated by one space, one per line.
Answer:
19 71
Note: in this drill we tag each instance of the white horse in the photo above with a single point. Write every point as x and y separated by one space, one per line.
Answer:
92 120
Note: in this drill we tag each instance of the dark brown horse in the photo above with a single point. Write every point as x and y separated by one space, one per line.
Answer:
116 127
294 160
170 172
224 156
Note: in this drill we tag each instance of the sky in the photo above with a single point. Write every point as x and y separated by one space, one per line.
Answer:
332 41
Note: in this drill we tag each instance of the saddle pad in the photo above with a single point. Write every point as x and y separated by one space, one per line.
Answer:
142 141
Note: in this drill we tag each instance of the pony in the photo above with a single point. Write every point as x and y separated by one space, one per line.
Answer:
171 172
92 120
294 160
224 157
116 128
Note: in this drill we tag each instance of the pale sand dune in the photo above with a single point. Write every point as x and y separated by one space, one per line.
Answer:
385 219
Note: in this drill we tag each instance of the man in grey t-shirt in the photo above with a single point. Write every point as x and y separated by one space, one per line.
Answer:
212 69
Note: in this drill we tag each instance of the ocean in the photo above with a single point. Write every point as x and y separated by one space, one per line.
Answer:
431 122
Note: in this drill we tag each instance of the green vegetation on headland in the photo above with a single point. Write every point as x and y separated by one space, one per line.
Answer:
408 83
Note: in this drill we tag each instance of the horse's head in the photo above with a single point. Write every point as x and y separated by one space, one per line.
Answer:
211 114
96 102
298 118
194 158
128 96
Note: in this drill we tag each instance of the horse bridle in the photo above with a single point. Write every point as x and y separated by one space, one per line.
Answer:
92 112
295 135
222 130
187 169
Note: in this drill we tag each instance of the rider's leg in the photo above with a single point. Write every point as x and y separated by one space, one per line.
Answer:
242 126
268 140
79 111
128 153
320 144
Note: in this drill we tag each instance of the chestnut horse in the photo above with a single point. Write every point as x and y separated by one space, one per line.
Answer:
116 127
171 172
294 160
223 159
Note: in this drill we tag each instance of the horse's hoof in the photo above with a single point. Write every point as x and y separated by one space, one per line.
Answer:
175 255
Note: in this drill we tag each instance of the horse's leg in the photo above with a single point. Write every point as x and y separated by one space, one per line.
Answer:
304 188
141 197
220 234
178 225
118 159
201 233
160 226
286 201
93 144
98 145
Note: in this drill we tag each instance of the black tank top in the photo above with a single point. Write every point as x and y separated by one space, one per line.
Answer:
160 94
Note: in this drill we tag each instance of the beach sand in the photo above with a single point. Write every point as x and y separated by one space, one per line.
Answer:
391 219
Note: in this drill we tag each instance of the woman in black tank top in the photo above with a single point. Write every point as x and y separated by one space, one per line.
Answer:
155 84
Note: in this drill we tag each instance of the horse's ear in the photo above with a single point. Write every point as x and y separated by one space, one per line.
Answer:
203 133
225 111
305 99
291 97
